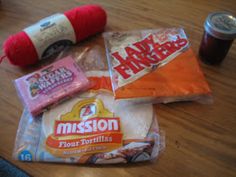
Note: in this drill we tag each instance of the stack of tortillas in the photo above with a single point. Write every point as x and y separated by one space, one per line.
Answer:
136 120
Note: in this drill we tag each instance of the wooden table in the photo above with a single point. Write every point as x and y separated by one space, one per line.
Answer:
200 139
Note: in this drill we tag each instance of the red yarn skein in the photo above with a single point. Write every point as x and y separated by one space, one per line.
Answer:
86 20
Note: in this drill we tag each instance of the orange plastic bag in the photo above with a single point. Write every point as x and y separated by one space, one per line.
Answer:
154 65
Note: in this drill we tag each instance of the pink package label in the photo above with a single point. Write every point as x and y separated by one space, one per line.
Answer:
51 84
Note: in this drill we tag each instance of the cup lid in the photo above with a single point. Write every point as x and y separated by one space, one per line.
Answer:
221 25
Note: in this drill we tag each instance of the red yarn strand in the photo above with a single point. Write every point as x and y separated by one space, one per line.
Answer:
2 58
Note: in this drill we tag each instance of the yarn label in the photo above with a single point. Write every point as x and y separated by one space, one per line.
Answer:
51 35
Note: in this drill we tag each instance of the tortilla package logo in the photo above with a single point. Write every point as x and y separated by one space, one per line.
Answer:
48 79
89 128
147 53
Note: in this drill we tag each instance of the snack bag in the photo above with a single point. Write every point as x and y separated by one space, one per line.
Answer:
51 84
157 65
92 128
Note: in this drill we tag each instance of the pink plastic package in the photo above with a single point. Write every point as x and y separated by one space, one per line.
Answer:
51 84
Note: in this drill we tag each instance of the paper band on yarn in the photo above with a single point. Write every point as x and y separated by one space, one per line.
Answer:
51 34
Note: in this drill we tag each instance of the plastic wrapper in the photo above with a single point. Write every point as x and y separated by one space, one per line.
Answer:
91 128
51 84
156 66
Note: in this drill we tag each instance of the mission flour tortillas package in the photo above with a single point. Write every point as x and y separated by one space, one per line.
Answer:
92 128
156 65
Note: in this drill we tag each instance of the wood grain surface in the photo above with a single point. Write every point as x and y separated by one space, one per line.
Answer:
200 139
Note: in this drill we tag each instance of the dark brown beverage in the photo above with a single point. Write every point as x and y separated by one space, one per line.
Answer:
220 31
213 50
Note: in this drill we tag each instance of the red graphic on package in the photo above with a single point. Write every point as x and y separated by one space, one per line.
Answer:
48 80
146 53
